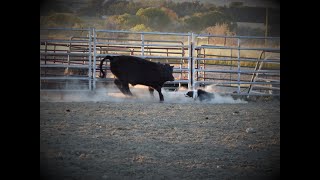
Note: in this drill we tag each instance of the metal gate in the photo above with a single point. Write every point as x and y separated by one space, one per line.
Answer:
242 65
69 59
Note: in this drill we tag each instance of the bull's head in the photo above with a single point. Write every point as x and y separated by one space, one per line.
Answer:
168 71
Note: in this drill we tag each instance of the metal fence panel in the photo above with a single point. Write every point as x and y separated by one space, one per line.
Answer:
70 60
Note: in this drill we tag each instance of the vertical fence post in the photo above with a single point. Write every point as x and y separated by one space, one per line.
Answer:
204 64
182 61
45 58
68 64
54 51
90 60
180 66
94 58
231 66
68 58
189 61
142 44
193 63
238 91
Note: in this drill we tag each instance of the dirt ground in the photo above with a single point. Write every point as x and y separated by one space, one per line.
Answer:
150 140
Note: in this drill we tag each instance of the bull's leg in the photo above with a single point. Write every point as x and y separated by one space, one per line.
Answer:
123 86
126 89
151 91
118 83
160 94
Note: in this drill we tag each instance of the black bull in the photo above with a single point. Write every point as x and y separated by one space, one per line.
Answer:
134 70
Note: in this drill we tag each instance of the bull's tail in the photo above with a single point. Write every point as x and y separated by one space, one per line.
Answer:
101 63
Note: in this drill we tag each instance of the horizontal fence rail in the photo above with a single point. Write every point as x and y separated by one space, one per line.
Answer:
239 65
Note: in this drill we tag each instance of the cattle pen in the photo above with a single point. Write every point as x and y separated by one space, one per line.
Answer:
95 133
243 65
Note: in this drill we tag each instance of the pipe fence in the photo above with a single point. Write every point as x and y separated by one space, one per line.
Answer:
239 65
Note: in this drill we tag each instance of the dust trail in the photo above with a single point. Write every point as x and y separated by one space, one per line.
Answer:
222 99
111 93
219 98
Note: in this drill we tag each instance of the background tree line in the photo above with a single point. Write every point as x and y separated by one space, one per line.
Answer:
160 15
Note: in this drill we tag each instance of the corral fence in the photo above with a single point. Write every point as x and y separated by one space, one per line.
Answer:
240 65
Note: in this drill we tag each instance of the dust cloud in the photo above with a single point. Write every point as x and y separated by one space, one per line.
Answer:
140 93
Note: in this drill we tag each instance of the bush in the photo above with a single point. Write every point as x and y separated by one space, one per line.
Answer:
67 20
220 29
199 21
154 18
141 28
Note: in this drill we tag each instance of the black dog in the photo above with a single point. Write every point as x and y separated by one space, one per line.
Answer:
201 94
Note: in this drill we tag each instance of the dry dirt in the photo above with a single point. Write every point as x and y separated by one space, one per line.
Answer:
150 140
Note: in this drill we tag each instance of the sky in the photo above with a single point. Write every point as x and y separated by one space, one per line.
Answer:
263 3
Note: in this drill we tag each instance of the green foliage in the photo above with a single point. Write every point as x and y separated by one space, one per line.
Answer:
152 19
61 20
119 7
235 4
155 18
112 23
214 17
53 6
102 7
156 15
94 8
200 21
192 23
247 31
186 8
171 14
127 21
152 3
140 28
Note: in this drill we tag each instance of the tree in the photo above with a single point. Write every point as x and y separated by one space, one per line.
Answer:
220 29
126 21
53 6
199 21
186 8
111 23
155 18
193 23
94 8
235 4
61 20
171 14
